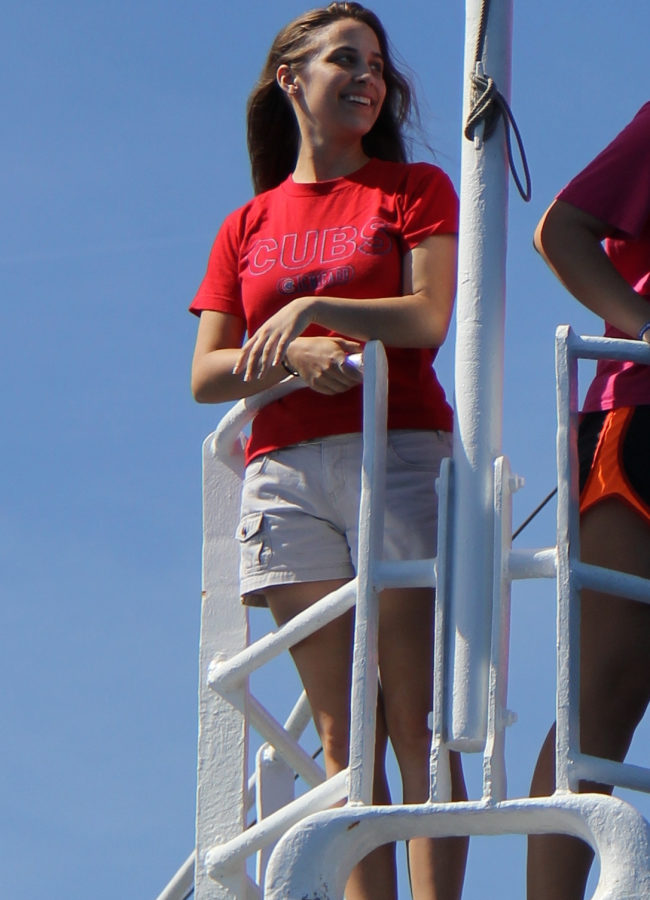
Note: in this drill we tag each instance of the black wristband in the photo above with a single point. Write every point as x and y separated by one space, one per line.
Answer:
642 330
287 368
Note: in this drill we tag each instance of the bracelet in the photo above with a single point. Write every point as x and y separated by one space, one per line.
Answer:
296 374
642 330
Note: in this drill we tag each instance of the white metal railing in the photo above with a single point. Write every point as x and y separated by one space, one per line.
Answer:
325 848
571 764
224 675
227 676
223 840
181 885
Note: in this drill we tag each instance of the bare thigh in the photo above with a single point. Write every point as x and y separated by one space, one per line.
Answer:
324 663
322 659
615 632
406 670
614 687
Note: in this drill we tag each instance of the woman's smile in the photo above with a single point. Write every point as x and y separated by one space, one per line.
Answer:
358 98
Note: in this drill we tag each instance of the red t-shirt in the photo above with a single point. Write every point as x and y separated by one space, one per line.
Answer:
615 188
341 238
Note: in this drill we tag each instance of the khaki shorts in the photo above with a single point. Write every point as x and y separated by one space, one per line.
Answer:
300 508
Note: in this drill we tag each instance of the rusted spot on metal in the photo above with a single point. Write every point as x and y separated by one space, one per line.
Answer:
323 894
354 825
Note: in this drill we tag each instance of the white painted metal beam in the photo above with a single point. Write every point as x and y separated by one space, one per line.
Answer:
479 387
315 859
225 675
365 662
228 857
221 789
181 885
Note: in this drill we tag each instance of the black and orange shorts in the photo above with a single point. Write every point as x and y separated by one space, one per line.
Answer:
614 455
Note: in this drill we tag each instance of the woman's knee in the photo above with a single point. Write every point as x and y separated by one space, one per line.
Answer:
336 745
410 736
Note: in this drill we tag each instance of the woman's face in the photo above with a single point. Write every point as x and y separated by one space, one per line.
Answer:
337 95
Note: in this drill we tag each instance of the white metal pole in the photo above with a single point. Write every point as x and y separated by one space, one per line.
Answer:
222 748
479 386
363 695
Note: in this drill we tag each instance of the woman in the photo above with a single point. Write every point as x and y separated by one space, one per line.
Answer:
608 202
344 242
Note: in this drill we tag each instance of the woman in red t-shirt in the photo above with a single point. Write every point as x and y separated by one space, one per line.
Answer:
344 242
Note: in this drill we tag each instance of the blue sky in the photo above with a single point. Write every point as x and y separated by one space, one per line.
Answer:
123 150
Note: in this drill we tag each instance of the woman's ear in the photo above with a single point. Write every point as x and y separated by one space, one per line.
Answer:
286 79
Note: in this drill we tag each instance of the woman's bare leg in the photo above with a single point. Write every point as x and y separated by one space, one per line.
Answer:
437 867
614 688
323 661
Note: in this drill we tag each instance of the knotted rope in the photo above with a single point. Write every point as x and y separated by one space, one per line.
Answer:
489 106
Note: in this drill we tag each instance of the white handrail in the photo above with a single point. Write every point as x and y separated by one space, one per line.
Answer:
280 738
611 581
228 675
180 886
224 675
227 440
222 857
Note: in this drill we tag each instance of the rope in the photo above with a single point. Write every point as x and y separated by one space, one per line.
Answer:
482 30
534 513
489 105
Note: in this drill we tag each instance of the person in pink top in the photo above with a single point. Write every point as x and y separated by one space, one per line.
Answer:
596 238
343 242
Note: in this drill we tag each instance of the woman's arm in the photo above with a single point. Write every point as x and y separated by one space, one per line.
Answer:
218 343
570 241
319 360
418 318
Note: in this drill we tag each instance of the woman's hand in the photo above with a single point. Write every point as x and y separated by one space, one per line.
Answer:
321 363
268 346
419 317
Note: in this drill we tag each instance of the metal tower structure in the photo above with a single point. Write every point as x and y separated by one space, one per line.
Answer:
303 846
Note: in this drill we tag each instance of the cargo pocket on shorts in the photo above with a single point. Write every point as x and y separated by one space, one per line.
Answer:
253 543
419 450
